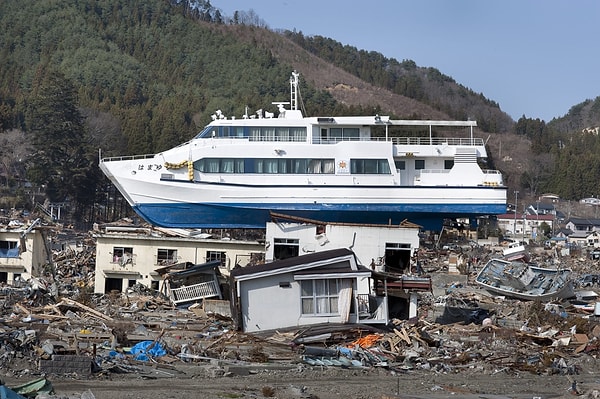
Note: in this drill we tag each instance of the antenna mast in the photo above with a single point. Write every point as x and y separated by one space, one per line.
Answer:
294 90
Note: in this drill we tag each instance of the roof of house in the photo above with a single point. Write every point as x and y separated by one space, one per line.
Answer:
511 216
582 234
542 205
296 263
584 221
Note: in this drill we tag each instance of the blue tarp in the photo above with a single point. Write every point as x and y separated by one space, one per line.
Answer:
9 252
145 349
7 393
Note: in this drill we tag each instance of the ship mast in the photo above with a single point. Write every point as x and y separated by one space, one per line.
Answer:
294 91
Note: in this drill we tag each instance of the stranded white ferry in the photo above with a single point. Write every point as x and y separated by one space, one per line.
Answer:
337 169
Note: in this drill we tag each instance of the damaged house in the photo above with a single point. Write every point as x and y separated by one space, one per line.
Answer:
386 248
321 287
23 251
128 254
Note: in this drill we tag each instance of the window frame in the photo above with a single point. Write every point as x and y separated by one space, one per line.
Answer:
116 259
169 259
217 255
322 296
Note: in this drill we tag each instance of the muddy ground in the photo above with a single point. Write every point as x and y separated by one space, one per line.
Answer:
303 381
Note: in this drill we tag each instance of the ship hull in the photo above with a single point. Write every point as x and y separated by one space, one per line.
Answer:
197 205
238 215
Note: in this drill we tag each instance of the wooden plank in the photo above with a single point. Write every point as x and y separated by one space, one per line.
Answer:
87 309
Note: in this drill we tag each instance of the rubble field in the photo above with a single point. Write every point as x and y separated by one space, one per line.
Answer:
464 343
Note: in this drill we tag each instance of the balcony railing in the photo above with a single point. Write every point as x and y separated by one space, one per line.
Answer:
195 292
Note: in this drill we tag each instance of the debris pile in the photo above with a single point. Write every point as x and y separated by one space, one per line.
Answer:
56 326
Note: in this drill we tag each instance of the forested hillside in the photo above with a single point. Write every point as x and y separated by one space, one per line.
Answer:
139 76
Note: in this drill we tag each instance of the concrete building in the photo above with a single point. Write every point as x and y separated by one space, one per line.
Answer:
23 251
384 247
523 225
127 255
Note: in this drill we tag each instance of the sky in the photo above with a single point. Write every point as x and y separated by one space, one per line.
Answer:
535 58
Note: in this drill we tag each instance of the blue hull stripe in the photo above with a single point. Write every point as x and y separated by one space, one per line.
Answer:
430 216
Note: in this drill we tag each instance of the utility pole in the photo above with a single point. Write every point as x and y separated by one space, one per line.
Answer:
516 207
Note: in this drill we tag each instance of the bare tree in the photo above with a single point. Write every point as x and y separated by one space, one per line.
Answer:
14 149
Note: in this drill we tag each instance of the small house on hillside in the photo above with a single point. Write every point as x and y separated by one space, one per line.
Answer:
321 287
582 224
585 239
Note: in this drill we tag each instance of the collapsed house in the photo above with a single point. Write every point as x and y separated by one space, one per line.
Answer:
322 287
23 251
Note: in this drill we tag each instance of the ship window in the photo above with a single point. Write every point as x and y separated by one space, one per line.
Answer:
335 133
255 134
323 134
282 134
266 165
216 165
276 134
320 297
419 164
351 132
346 133
448 163
300 166
369 166
207 132
268 133
284 248
400 165
238 131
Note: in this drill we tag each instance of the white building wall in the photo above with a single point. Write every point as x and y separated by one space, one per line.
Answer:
145 248
272 306
367 242
30 261
276 306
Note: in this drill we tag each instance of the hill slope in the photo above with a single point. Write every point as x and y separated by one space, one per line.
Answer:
149 73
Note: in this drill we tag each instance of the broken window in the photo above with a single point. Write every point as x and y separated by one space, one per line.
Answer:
216 255
122 255
285 248
166 256
397 256
9 249
320 297
254 258
113 284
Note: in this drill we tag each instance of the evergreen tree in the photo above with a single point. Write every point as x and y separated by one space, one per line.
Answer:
61 162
